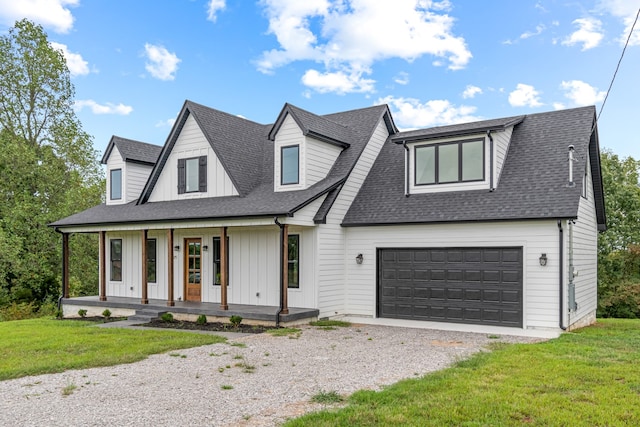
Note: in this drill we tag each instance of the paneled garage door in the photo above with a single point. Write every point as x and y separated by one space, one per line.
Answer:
459 285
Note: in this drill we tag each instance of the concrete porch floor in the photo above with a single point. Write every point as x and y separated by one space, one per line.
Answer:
250 313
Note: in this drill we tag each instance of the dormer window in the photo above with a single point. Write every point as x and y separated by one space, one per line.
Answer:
451 162
290 164
115 183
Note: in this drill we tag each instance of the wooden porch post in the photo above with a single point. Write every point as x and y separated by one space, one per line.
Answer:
285 269
65 265
145 299
103 266
224 268
170 301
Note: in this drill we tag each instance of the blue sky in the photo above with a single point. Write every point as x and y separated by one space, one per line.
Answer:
133 63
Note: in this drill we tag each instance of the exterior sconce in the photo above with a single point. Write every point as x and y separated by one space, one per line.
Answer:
176 248
359 259
543 260
205 248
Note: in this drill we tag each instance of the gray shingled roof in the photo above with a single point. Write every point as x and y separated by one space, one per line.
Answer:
533 183
247 154
457 129
132 150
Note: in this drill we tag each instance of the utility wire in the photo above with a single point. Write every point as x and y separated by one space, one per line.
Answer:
617 68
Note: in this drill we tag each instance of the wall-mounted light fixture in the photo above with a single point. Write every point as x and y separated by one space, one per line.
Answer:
205 248
176 248
359 259
543 260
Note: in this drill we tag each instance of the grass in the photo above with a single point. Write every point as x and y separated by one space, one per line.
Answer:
590 377
327 397
284 332
43 346
330 323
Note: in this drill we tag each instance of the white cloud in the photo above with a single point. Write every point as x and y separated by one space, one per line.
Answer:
350 35
525 96
402 78
162 64
471 91
168 123
213 7
339 82
54 14
581 93
589 33
539 29
625 10
558 106
77 65
411 113
107 108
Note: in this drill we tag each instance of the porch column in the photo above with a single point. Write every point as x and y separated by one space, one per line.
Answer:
224 268
285 269
170 301
103 266
145 299
65 265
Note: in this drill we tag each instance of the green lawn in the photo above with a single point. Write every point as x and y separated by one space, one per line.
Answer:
587 378
40 346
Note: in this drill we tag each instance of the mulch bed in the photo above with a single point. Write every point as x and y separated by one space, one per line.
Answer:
209 326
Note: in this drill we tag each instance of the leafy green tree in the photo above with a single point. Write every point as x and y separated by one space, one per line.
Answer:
48 169
619 246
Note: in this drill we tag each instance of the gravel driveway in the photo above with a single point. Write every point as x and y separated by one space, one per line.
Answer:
208 386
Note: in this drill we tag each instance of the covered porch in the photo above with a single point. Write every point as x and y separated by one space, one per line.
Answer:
188 310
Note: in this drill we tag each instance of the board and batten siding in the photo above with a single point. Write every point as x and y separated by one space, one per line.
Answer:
501 141
585 256
192 143
331 236
136 176
540 284
115 161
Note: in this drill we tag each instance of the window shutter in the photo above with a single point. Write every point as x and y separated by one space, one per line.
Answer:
202 174
182 176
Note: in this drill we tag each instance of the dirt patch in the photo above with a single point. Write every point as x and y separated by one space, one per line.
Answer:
209 326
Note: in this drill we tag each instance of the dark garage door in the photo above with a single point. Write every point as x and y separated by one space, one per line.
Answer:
459 285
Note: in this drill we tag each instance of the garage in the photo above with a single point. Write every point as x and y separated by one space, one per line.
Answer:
457 285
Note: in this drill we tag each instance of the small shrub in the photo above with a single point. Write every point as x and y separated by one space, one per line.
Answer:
235 320
202 320
82 312
18 311
167 317
106 313
59 314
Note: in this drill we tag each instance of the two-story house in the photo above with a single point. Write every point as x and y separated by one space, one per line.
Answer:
489 225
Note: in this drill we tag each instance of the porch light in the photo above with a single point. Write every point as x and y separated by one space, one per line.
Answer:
359 259
543 260
176 248
205 248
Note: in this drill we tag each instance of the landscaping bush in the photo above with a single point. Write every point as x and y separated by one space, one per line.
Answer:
202 320
167 317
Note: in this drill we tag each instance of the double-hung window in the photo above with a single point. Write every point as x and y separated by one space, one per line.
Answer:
293 270
116 259
290 165
461 161
115 184
192 175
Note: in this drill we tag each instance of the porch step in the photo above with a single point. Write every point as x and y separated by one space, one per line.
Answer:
146 315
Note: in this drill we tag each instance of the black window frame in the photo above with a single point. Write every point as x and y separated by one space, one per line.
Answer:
111 186
152 261
585 179
282 150
436 147
293 263
202 175
115 261
216 260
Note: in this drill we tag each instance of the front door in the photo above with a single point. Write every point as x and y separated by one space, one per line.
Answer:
193 269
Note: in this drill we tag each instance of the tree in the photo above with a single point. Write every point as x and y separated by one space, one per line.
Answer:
619 246
48 168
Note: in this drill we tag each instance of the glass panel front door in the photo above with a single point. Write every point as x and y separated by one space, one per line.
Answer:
193 269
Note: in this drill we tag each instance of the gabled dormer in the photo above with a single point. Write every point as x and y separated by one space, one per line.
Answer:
305 148
456 158
129 164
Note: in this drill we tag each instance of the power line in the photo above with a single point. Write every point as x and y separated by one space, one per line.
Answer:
618 66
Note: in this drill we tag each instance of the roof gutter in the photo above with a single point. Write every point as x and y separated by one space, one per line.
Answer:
561 278
491 187
280 287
